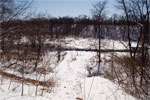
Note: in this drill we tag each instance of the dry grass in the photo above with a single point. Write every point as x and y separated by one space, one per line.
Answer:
128 73
43 70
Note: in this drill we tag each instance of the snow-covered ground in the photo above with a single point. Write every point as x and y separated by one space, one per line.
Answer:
90 43
71 81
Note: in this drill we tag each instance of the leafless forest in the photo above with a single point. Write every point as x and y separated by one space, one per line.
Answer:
25 40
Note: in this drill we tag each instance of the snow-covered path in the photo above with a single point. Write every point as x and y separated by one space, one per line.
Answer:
68 73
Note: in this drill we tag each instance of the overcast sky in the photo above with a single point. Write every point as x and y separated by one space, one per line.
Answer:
72 8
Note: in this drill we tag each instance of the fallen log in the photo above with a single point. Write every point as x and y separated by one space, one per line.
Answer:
27 80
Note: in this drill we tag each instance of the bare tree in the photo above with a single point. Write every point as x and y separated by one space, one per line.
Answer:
98 13
10 10
138 11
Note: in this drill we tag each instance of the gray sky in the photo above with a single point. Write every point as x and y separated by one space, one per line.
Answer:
71 8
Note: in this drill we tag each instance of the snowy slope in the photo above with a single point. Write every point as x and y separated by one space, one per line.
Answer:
72 83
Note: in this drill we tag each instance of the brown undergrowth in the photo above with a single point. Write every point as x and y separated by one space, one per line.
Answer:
131 75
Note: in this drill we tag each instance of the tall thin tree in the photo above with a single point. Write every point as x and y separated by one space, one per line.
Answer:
98 13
